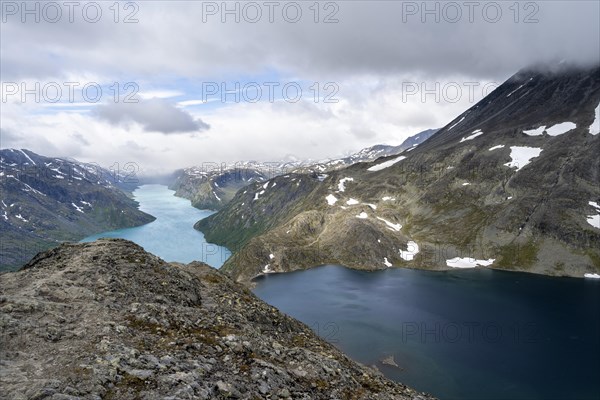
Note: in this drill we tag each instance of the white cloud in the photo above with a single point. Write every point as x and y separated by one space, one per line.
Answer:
188 103
159 94
370 110
154 115
371 54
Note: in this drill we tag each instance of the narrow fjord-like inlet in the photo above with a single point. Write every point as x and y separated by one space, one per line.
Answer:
171 236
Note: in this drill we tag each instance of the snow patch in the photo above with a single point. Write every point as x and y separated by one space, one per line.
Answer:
19 216
342 184
592 276
468 262
77 208
508 95
385 164
352 202
555 130
391 225
475 133
594 220
331 199
256 195
412 249
535 132
461 120
29 158
271 256
500 146
267 269
362 215
466 184
561 128
29 188
388 198
386 262
521 156
595 126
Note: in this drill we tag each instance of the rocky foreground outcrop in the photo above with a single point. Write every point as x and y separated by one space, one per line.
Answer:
109 320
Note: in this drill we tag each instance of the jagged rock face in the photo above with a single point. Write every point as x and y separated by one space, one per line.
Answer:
109 320
515 180
46 201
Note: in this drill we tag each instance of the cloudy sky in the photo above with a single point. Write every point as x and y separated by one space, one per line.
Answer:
174 84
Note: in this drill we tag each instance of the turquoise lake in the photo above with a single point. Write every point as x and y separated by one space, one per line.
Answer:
171 236
466 334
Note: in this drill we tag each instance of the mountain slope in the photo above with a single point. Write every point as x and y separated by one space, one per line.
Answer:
46 201
212 186
123 324
481 191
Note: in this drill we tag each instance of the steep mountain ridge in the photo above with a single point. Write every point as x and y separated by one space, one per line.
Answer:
369 154
108 320
212 186
46 201
512 183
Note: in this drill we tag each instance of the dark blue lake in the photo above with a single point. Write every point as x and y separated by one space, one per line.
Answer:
468 334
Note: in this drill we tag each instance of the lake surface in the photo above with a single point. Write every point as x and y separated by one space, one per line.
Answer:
468 334
172 235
